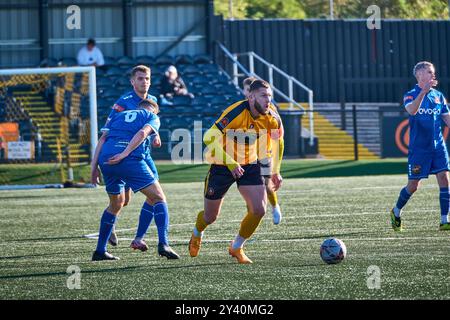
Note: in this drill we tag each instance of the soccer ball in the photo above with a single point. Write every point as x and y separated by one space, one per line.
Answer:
333 251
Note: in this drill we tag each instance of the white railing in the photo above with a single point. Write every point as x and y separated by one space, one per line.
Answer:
271 68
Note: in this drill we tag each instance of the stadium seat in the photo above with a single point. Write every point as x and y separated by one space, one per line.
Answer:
48 63
69 62
110 93
200 80
183 59
206 68
202 59
145 60
199 101
104 82
154 91
219 100
208 90
181 100
114 71
122 82
126 61
109 61
191 69
165 60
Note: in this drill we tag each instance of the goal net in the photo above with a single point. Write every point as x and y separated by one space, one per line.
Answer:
48 115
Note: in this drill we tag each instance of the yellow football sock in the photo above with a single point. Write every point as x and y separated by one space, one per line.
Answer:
249 225
201 223
273 198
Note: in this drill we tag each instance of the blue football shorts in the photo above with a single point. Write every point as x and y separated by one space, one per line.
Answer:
131 172
421 164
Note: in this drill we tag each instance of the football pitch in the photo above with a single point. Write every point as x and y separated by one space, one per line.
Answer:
43 233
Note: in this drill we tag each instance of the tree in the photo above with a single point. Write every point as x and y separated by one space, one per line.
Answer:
343 9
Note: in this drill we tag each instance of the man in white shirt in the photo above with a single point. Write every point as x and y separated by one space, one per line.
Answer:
90 55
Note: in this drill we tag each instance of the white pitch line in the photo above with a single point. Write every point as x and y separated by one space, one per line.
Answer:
293 240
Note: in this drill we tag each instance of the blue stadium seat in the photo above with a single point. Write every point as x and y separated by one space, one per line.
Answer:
200 80
208 90
145 60
109 61
104 82
208 68
114 71
48 63
122 82
110 93
183 59
181 100
191 69
165 60
154 90
199 101
126 61
219 100
202 59
69 62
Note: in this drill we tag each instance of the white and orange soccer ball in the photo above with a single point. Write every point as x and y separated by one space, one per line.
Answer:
333 251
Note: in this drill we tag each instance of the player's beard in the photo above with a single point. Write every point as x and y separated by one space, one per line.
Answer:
260 109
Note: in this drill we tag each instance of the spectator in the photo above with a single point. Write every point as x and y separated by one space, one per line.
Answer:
173 85
90 55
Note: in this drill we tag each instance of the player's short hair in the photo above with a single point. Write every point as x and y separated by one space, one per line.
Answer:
91 42
421 65
248 81
149 103
140 68
258 84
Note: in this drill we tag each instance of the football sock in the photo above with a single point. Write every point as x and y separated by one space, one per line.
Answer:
402 200
238 242
273 198
162 221
197 233
145 219
249 225
444 202
200 224
106 225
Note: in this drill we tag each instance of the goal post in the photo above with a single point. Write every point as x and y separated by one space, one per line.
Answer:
16 77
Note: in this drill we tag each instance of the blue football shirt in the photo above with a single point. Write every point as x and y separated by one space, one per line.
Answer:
425 126
121 129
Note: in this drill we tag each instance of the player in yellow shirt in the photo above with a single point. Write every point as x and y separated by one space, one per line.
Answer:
238 142
271 193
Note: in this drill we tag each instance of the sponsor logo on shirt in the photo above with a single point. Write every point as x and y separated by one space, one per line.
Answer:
429 111
118 108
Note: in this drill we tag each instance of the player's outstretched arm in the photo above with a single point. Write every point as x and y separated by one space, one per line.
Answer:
138 138
213 139
95 172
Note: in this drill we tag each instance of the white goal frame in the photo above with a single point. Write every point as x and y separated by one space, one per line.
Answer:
92 91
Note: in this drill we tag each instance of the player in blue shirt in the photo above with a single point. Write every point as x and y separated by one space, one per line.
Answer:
121 156
427 154
140 80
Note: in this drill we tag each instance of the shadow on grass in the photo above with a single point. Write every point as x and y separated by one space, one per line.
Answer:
48 274
45 239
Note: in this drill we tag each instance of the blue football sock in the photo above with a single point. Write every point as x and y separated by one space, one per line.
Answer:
444 201
144 220
162 221
403 198
106 225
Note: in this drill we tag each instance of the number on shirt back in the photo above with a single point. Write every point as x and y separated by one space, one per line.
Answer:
130 116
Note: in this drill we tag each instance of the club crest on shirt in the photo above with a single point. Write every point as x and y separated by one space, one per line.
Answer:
436 100
416 169
224 122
